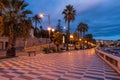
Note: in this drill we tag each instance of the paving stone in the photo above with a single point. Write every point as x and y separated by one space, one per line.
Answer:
72 65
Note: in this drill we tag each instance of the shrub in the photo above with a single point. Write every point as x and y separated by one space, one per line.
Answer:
49 50
53 49
46 50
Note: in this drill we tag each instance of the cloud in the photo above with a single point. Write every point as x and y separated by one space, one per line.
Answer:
102 16
85 5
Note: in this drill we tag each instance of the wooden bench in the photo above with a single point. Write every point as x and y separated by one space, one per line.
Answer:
30 51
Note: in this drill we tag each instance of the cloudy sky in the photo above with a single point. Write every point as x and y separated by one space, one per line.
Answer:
102 16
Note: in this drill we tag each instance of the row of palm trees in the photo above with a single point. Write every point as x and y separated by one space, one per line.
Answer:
16 22
69 15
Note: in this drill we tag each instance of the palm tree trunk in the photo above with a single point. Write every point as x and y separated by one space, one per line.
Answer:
80 34
11 43
36 24
68 34
75 45
83 34
57 48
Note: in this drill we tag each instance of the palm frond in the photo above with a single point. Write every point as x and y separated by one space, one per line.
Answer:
27 12
24 6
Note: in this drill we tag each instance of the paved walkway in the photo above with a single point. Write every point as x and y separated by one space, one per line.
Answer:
74 65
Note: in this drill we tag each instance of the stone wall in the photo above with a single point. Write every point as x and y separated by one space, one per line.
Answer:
21 43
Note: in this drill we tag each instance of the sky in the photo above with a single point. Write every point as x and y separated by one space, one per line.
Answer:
102 16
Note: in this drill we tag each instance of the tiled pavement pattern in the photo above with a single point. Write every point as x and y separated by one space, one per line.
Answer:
74 65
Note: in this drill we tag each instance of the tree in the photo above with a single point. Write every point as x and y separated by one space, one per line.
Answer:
57 39
59 27
75 39
1 25
25 29
41 31
36 32
69 15
82 28
14 13
89 37
36 19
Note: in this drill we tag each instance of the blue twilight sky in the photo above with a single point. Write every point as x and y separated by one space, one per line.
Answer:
102 16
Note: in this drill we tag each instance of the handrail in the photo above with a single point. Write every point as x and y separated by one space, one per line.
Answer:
112 60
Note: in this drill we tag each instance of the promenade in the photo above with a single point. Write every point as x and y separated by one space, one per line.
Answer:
72 65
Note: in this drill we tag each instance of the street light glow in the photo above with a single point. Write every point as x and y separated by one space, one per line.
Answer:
80 39
64 27
41 15
85 41
71 36
49 28
53 30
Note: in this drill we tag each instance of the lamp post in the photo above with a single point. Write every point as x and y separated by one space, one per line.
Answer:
80 43
71 37
49 27
49 35
42 15
65 38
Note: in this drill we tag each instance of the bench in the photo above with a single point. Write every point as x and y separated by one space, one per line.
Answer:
30 51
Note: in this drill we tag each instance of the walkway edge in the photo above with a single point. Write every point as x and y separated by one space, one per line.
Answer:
112 61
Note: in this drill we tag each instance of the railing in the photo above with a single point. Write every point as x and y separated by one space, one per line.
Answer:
112 60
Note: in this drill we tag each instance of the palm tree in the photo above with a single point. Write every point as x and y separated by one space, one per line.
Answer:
75 39
36 19
69 15
41 31
82 28
3 5
14 14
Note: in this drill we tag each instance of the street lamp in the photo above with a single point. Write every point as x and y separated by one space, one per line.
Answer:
80 43
53 30
64 37
50 29
49 35
71 37
42 15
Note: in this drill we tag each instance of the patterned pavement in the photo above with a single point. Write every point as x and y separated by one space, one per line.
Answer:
74 65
